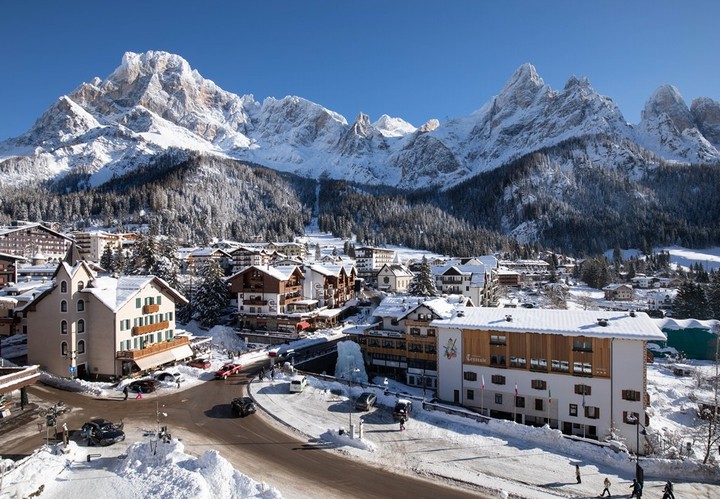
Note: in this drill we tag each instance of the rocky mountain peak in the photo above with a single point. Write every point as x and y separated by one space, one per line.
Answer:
706 113
667 101
522 89
393 127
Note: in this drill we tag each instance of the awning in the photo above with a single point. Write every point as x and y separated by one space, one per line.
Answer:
182 352
303 325
154 360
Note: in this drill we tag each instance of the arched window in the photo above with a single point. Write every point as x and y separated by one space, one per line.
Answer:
81 326
63 306
63 349
80 285
63 327
81 305
63 286
81 346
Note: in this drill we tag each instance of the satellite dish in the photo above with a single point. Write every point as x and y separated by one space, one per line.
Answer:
318 285
271 303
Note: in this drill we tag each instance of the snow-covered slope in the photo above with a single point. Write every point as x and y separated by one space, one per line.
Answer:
155 101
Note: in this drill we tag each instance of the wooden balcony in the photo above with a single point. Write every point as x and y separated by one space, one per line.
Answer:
151 309
255 302
150 328
152 349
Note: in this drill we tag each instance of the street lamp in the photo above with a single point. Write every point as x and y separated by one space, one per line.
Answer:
633 419
350 409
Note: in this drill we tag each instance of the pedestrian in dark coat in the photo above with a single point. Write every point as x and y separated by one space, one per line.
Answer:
636 489
402 423
577 473
126 391
262 373
272 374
668 491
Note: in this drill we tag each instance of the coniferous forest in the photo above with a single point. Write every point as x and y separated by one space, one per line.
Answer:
552 199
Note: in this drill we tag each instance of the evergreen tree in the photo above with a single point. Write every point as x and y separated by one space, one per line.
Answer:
318 254
211 296
106 260
691 302
423 284
713 294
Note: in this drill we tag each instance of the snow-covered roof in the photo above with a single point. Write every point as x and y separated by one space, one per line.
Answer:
638 326
114 293
397 307
281 273
675 324
476 272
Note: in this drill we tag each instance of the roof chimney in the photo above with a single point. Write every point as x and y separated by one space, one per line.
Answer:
508 318
602 322
632 313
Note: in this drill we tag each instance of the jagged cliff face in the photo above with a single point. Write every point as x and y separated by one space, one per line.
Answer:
154 102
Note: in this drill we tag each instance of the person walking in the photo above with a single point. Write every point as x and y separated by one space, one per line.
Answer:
577 473
402 423
668 491
606 483
636 489
139 395
272 374
126 390
262 374
178 383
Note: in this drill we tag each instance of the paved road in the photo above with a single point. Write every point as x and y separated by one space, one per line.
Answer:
256 445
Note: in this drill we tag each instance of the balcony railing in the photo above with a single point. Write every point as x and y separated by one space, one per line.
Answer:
150 328
255 302
151 309
152 349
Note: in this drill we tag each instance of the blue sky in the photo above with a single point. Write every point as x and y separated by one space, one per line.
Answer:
416 60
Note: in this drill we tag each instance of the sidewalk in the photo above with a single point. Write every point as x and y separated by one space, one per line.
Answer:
439 445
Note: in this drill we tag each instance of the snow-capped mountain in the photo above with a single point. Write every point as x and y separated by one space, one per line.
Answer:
155 101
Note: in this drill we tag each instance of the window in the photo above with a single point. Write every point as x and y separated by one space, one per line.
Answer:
415 331
582 345
81 305
63 349
539 403
81 326
431 332
63 286
631 417
519 401
497 360
81 346
159 336
159 300
498 398
518 362
498 339
81 285
538 384
538 364
138 302
430 349
469 376
592 412
63 306
386 280
471 394
63 327
496 379
582 368
560 365
583 390
631 395
573 410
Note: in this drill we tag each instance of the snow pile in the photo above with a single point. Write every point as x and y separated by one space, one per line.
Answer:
149 470
226 338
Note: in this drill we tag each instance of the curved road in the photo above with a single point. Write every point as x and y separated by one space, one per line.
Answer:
257 445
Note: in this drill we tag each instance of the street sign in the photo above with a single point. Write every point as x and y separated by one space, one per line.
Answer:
71 369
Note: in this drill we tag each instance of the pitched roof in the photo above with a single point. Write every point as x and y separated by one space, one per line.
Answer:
115 293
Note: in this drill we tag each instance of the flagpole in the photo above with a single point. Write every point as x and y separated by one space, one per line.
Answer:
515 404
482 397
549 404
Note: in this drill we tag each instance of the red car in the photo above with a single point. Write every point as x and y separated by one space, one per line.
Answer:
227 370
199 363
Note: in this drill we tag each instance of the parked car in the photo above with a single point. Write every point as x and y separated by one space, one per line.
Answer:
297 383
199 363
242 406
227 370
365 401
402 409
146 385
168 376
102 432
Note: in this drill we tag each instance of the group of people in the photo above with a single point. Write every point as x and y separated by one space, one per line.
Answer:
261 374
636 487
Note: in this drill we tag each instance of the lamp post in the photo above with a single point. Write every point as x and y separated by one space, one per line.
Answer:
639 474
350 408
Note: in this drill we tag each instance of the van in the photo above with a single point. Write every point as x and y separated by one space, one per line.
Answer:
297 384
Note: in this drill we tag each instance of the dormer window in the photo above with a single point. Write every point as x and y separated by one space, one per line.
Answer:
81 285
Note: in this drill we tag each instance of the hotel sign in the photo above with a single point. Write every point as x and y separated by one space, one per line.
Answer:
475 359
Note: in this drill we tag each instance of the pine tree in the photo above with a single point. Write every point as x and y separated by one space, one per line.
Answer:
691 302
106 260
423 284
211 296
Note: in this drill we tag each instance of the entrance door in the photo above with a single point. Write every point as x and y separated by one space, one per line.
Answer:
456 396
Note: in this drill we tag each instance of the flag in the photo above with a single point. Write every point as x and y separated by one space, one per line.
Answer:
483 382
516 390
549 396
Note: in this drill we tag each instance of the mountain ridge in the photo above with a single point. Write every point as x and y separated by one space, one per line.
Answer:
155 101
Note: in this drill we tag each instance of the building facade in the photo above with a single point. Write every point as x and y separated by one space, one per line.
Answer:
570 369
90 327
27 239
